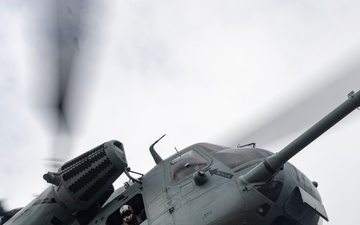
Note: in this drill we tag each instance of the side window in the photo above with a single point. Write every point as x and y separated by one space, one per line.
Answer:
137 205
186 164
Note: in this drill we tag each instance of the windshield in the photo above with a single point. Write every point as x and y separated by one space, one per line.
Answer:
185 165
234 157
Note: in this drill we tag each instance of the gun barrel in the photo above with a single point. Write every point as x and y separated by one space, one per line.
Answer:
272 164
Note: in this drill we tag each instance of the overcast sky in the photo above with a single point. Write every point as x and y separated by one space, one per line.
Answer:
199 71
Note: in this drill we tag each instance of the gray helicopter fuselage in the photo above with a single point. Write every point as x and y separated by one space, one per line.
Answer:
202 184
175 192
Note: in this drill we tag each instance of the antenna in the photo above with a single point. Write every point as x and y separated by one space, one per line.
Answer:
153 152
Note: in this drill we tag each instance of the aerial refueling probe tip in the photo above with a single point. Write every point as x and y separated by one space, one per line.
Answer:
356 95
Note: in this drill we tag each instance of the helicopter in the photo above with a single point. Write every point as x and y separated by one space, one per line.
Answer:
215 172
262 187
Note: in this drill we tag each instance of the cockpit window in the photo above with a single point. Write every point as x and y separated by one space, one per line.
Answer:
234 157
185 165
211 148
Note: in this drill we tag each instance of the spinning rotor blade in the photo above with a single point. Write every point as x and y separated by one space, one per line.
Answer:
304 113
68 43
63 40
68 20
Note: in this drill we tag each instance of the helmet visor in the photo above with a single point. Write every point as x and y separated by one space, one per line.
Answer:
126 213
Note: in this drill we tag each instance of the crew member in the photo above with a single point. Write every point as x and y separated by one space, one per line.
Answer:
128 216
